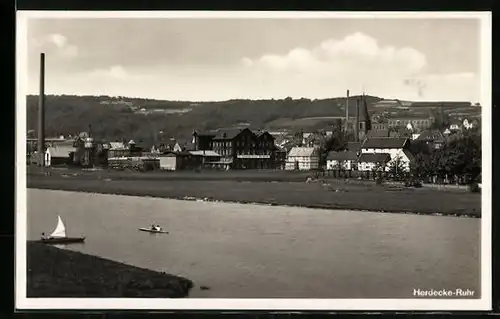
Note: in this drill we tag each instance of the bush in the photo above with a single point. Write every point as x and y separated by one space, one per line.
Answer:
474 188
413 182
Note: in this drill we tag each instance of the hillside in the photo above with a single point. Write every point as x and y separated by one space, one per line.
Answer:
154 120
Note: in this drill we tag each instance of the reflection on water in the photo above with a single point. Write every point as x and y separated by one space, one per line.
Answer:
259 251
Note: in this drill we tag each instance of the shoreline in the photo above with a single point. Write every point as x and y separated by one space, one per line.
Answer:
262 203
54 272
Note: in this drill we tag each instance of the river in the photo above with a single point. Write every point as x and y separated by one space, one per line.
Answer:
258 251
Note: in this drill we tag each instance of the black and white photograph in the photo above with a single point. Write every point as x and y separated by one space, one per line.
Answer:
253 160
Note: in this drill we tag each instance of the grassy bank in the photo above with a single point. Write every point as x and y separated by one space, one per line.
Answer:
334 194
54 272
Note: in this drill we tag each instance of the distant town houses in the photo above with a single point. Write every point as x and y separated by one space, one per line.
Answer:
376 140
416 123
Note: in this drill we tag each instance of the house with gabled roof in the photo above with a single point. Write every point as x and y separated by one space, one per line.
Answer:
372 161
397 148
239 148
346 160
302 158
59 154
433 138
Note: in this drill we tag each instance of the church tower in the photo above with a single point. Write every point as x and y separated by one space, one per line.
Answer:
364 123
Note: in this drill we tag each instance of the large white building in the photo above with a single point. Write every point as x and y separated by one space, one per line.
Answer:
302 158
396 148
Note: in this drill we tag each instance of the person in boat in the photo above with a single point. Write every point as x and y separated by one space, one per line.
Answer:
155 227
43 237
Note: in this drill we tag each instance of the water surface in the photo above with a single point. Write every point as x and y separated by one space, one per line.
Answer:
258 251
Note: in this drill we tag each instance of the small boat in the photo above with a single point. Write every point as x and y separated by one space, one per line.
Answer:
151 230
58 236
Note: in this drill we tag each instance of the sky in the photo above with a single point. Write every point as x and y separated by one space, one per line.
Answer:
219 59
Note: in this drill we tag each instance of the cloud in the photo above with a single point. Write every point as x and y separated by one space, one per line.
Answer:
354 62
116 72
57 44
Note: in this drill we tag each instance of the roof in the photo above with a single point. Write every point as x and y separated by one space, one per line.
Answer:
353 146
430 135
342 156
438 104
60 151
302 151
378 133
205 153
363 111
409 154
116 145
411 118
374 157
227 134
385 142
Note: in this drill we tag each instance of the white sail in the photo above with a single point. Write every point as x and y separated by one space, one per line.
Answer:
60 231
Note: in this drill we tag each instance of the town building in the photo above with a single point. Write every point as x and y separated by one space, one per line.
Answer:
346 160
380 126
210 159
368 162
396 148
239 148
419 123
184 160
468 124
433 138
302 158
455 125
59 155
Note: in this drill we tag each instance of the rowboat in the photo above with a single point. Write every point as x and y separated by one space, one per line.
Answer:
153 230
58 236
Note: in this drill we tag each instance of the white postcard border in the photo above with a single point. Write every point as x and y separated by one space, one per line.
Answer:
22 302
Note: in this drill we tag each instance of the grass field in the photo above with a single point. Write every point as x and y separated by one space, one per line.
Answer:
54 272
278 188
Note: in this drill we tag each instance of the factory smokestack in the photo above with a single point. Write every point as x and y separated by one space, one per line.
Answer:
356 124
347 112
41 113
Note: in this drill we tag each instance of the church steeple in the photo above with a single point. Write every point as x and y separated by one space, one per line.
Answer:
364 122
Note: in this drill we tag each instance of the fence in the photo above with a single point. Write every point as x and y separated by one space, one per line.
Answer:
338 173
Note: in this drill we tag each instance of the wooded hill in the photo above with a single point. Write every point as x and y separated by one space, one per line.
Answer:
116 118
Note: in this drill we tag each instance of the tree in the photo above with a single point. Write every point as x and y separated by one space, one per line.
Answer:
336 142
396 169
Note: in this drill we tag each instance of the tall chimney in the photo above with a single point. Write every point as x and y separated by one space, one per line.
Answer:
41 113
347 112
356 125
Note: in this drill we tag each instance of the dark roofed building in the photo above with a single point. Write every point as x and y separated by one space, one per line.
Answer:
433 138
438 104
239 148
370 161
345 160
378 133
342 156
353 146
385 143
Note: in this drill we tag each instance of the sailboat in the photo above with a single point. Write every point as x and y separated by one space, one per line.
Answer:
58 236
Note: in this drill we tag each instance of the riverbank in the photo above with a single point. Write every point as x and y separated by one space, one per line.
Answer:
266 189
54 272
